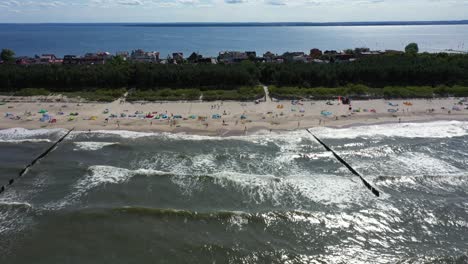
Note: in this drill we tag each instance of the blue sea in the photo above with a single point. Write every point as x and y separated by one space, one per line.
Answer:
77 39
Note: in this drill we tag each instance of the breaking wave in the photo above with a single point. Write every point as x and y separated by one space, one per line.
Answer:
18 135
91 146
438 129
257 189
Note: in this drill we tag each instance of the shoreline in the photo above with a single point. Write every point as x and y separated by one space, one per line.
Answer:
254 131
227 118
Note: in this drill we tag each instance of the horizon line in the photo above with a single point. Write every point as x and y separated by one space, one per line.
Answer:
280 23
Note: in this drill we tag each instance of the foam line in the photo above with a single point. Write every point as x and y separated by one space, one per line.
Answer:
366 183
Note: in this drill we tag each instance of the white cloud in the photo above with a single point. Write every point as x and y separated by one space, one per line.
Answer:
232 10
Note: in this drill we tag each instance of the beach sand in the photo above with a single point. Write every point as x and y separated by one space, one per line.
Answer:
262 116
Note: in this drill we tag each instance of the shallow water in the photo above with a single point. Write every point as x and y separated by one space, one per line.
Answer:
131 197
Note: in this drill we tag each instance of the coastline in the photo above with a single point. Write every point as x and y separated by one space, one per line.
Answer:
239 118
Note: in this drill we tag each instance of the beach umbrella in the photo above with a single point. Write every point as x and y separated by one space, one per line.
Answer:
42 111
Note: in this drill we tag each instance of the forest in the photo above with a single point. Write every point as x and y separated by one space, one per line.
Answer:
404 75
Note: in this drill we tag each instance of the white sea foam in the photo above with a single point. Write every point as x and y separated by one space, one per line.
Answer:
120 133
259 188
259 137
416 163
101 175
93 145
438 129
15 204
17 135
32 140
12 214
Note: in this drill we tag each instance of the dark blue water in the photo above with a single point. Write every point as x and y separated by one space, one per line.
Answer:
77 39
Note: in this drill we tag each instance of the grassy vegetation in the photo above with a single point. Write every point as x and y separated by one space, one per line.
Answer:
32 92
164 95
255 92
323 92
362 91
408 92
240 94
458 91
99 95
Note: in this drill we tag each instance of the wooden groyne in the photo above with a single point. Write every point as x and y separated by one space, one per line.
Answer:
353 171
34 161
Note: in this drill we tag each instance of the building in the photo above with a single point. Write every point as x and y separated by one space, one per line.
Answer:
272 58
178 57
269 56
289 56
95 58
394 52
371 53
361 50
344 57
140 55
122 54
48 59
315 53
330 52
207 61
302 58
232 56
71 60
25 60
320 61
252 55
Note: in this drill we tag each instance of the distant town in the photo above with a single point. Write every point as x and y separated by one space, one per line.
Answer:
226 57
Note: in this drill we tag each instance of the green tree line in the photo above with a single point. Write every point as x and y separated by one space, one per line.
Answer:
373 71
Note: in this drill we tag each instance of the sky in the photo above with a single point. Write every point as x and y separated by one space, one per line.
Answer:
78 11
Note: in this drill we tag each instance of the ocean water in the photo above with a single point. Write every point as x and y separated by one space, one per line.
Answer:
78 39
127 197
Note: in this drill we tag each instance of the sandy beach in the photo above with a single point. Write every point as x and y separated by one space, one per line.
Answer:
235 118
